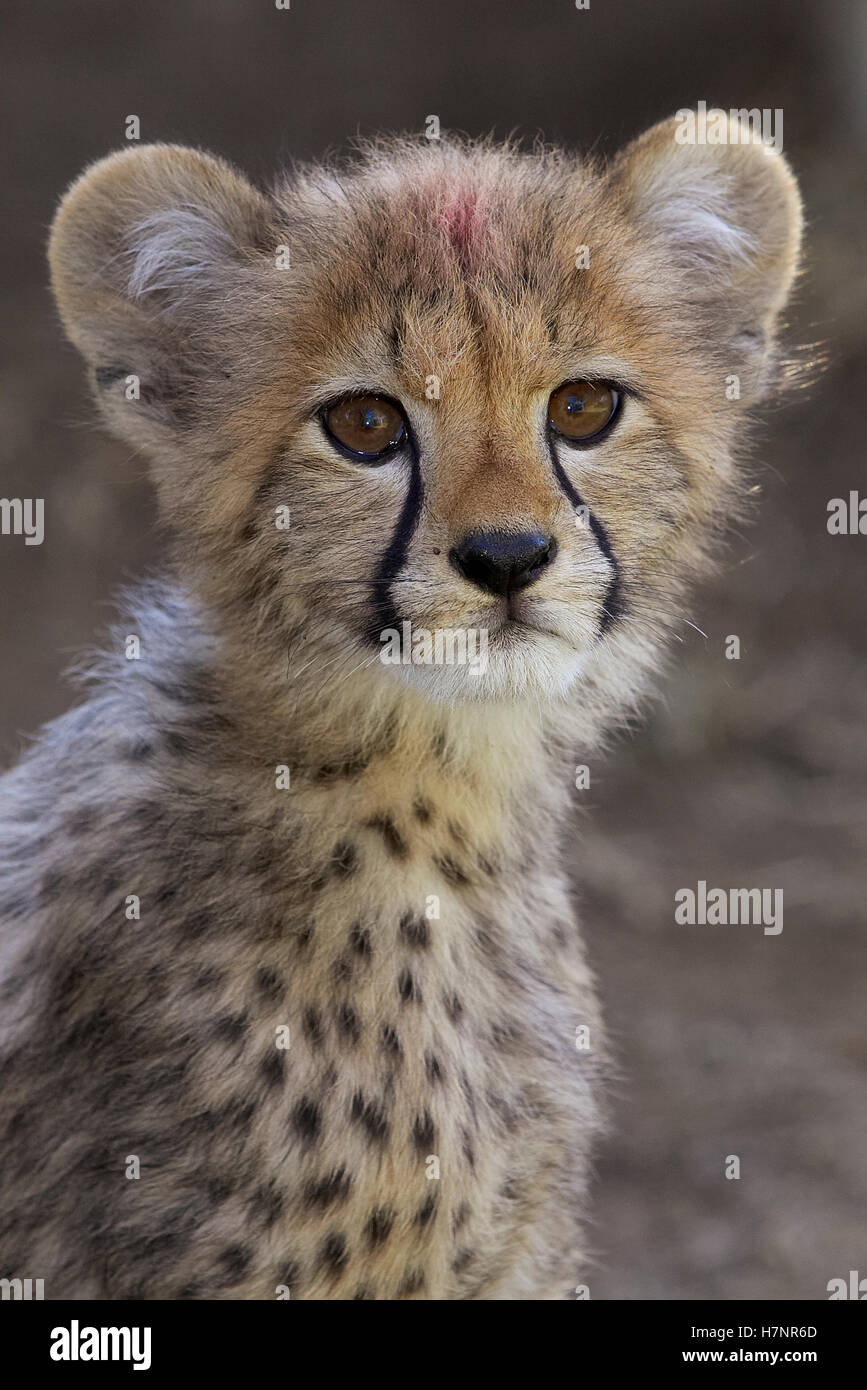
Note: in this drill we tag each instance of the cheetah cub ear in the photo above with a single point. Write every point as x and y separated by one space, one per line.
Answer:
725 223
146 246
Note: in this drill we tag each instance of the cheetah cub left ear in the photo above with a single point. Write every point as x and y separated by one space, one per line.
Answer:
725 221
146 249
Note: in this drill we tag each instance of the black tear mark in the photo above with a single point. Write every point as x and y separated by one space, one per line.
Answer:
385 614
613 607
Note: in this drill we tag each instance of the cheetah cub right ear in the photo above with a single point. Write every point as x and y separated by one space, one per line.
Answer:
147 249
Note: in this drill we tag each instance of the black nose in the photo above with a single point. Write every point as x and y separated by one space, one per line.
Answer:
502 561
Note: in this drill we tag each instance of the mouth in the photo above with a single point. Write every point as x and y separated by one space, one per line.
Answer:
514 618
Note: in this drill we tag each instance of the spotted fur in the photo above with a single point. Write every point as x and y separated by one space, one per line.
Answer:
427 1131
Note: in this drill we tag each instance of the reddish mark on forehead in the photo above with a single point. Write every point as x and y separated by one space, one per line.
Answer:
459 212
462 216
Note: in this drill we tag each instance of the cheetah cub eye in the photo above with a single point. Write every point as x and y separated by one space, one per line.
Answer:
582 411
365 427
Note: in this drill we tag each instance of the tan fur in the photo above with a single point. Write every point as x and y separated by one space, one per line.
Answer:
412 1038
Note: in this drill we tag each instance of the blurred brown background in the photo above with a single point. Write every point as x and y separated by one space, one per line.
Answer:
752 773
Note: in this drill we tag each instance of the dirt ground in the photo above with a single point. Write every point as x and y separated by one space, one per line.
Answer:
748 773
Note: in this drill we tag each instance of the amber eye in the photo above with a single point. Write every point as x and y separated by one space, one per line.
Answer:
365 425
581 409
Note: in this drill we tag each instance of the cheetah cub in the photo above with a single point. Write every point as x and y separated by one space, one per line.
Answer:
293 998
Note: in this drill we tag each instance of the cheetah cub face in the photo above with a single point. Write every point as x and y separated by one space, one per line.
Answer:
454 390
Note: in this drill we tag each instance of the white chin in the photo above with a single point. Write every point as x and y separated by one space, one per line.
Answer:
534 665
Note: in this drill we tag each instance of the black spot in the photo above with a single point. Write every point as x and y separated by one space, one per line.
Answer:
344 859
394 841
379 1225
507 1036
432 1067
341 970
422 810
412 1282
505 1112
166 893
440 747
335 772
197 924
390 1040
468 1151
325 1192
95 1032
370 1114
408 989
461 1216
334 1254
415 931
219 1190
269 984
423 1133
348 1023
364 1294
207 979
231 1028
235 1260
313 1027
272 1067
304 936
454 1007
237 1112
267 1205
359 940
178 744
451 872
487 937
463 1259
426 1212
470 1096
307 1119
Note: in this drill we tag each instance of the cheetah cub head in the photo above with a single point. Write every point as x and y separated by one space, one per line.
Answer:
461 416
